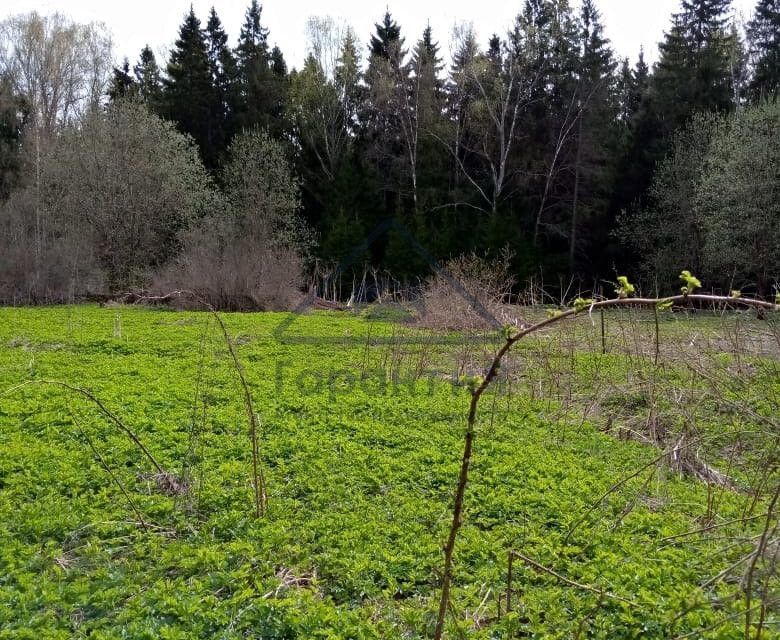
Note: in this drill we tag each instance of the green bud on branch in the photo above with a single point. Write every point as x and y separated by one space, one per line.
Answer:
624 288
580 304
691 283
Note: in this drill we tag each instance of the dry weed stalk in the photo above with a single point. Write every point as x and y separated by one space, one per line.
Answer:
258 479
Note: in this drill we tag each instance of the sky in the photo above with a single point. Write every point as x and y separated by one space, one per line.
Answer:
629 24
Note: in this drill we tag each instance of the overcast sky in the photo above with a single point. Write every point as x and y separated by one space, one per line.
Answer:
629 23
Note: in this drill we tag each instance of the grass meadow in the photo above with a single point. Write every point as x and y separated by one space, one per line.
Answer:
634 475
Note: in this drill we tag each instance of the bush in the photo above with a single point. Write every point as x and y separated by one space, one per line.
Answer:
468 293
251 254
42 265
233 272
102 207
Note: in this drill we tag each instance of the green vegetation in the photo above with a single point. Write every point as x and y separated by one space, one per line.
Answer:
360 464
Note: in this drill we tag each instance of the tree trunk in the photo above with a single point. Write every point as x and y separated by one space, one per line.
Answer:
573 233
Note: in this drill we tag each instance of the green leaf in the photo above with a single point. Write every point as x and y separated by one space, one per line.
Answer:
580 304
624 288
691 282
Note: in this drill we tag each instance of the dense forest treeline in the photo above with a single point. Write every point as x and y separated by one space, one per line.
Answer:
543 142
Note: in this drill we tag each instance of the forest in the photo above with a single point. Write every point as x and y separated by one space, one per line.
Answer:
220 168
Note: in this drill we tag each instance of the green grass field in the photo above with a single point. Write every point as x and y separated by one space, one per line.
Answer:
361 466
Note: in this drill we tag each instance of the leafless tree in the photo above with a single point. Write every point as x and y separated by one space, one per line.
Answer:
60 67
488 128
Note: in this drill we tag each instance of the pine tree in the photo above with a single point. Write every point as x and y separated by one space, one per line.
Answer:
122 84
147 77
764 43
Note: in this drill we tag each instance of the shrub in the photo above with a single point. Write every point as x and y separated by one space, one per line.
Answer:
249 255
233 272
109 199
468 292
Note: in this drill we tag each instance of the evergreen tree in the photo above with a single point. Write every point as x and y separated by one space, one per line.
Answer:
261 76
545 43
596 138
278 63
189 95
631 88
427 104
147 77
387 42
461 93
641 77
384 144
13 113
386 79
122 84
224 79
253 40
694 70
347 77
695 73
640 144
764 43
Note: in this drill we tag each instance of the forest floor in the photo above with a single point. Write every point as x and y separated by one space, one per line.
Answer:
633 475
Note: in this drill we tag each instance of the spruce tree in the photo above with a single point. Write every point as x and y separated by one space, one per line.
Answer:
261 74
13 111
189 94
224 79
387 42
253 40
347 77
427 103
631 87
694 70
147 77
384 143
596 137
764 43
122 84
